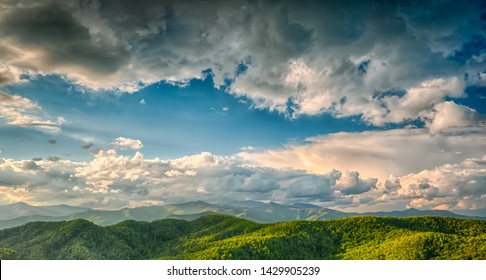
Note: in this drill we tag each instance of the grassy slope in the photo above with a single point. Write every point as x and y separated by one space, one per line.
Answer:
224 237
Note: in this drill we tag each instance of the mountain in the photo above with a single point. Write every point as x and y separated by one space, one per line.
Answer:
22 209
304 205
251 210
145 213
473 213
226 237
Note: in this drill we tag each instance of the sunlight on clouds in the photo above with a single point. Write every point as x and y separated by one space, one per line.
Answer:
449 114
127 143
459 186
376 154
130 179
111 180
21 111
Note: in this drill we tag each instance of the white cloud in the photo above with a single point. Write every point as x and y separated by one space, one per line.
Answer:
449 114
376 154
204 159
417 103
450 186
21 111
111 180
126 143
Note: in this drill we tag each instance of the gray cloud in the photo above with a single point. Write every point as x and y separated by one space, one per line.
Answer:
353 184
53 158
319 188
300 58
52 28
7 77
87 146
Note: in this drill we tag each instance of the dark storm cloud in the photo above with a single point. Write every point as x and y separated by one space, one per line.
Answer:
51 27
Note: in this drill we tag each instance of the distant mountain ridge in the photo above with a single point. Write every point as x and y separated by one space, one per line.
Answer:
22 209
20 213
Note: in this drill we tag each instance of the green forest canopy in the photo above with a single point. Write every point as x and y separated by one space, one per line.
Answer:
225 237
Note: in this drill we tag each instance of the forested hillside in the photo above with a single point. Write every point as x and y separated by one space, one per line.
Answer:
225 237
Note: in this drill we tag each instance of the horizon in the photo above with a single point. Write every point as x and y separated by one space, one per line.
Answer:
357 107
458 212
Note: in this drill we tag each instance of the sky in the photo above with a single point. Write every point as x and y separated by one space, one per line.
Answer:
351 105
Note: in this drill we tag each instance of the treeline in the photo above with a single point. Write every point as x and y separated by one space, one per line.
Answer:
225 237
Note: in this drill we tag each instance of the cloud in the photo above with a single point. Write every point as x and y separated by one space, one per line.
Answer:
49 37
127 143
450 186
87 146
353 184
314 187
53 158
21 111
415 103
376 154
449 114
111 180
38 181
8 76
345 59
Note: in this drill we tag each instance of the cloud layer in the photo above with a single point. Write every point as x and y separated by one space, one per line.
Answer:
111 180
386 62
376 154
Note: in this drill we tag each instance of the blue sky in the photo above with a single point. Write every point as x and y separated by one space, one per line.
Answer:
171 121
356 106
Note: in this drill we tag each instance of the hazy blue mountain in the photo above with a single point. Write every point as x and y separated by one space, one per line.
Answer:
27 219
304 205
22 209
260 212
474 213
273 212
145 213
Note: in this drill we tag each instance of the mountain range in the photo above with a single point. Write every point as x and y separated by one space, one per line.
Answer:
21 213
